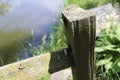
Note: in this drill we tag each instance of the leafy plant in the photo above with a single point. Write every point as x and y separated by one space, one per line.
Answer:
56 41
87 4
107 56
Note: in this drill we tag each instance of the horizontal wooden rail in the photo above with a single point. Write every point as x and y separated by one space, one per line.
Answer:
37 67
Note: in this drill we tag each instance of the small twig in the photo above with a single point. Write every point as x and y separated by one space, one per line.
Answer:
1 60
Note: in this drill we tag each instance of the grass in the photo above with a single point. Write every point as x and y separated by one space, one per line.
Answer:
87 4
56 41
45 78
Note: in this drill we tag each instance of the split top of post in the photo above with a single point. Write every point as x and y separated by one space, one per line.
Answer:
74 12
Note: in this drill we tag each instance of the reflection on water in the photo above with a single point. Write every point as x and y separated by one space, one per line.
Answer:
21 18
11 44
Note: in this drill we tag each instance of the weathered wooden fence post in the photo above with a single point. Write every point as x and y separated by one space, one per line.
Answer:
80 32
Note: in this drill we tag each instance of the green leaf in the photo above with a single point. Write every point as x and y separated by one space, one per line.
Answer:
104 61
108 66
118 50
116 66
104 48
99 49
109 47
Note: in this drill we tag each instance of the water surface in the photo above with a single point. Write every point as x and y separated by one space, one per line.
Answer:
21 19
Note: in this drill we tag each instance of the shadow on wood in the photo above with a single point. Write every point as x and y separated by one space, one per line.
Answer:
60 60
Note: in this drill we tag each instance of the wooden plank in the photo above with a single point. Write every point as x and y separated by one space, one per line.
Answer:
36 67
80 32
106 16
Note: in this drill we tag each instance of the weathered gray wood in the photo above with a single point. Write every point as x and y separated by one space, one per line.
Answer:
60 60
80 32
36 67
106 16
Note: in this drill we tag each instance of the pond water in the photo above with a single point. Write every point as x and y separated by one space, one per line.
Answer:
22 20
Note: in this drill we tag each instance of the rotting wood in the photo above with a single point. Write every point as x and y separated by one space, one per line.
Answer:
36 67
80 32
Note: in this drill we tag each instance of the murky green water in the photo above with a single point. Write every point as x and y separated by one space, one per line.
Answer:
22 20
11 44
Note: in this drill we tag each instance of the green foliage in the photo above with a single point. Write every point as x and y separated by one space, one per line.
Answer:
57 41
107 56
115 1
87 4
